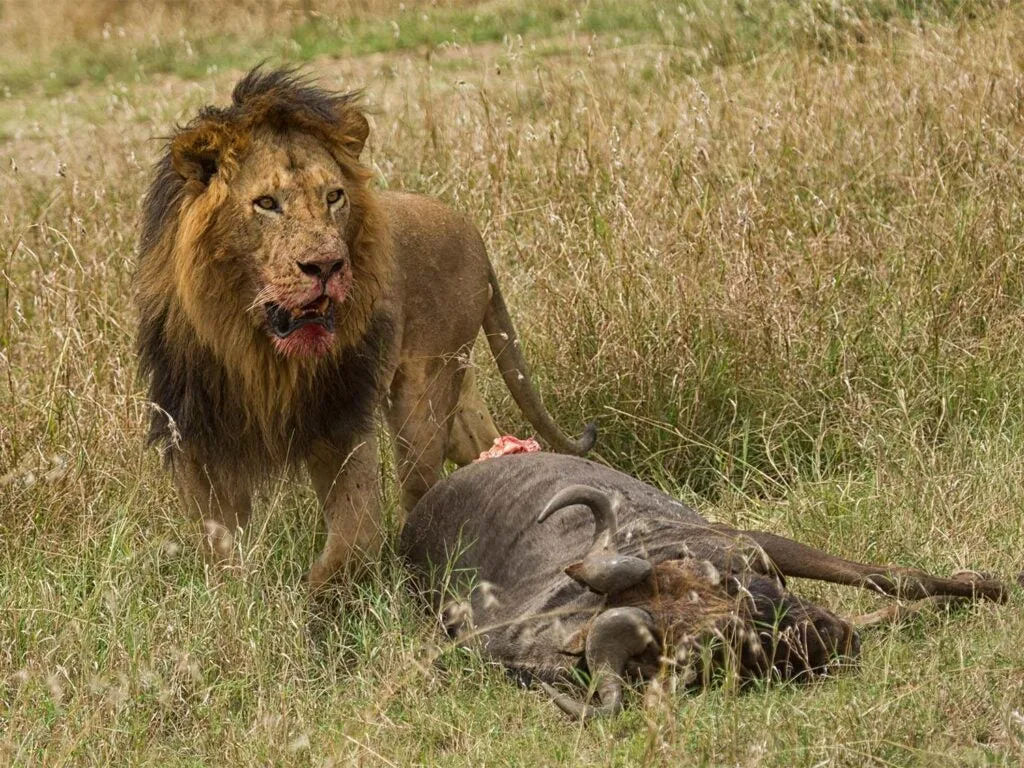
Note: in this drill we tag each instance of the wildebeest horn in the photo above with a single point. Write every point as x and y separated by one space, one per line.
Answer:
601 505
603 569
616 636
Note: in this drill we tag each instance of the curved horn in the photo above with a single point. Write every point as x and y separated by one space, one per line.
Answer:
601 505
602 569
616 636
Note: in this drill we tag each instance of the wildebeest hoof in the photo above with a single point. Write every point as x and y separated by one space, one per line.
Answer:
970 575
986 584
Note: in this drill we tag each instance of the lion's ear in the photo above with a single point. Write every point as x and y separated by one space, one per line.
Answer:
196 152
355 128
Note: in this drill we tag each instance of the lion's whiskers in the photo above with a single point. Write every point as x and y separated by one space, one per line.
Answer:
264 295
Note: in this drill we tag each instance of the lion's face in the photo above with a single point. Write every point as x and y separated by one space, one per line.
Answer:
262 241
290 202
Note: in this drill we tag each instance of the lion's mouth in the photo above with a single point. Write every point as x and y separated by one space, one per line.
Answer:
284 321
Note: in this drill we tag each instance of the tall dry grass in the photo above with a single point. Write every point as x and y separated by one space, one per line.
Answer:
785 278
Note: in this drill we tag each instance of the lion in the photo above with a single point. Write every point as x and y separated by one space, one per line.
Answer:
281 300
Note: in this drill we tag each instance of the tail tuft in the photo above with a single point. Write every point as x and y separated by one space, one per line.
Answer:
585 442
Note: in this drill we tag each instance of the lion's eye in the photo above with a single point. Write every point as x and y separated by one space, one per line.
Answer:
267 203
334 196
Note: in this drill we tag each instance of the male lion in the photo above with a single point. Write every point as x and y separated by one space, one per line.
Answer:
281 300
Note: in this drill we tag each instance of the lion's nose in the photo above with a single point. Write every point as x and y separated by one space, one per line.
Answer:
322 269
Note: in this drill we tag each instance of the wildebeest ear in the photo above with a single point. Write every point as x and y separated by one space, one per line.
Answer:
196 152
576 644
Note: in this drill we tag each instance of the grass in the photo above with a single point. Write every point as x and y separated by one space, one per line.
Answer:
774 248
711 34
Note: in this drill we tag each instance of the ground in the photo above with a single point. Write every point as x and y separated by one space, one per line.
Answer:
774 248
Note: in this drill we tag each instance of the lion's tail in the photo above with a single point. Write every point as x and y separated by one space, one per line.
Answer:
501 336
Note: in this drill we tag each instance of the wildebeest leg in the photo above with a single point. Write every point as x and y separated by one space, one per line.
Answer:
221 501
423 397
796 559
347 486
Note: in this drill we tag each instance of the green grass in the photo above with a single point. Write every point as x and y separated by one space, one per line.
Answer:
774 248
103 61
711 34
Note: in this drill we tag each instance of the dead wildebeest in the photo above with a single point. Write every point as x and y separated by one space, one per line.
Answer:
577 566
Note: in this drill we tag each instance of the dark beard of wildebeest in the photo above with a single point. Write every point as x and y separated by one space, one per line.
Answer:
574 566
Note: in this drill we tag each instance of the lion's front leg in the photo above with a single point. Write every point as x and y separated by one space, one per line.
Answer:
347 485
220 500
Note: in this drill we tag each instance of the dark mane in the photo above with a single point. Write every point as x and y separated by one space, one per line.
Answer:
198 396
281 99
161 205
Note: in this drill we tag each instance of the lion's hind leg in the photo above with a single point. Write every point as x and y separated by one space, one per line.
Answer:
473 430
424 398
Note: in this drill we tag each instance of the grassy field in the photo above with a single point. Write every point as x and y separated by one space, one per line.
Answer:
775 248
